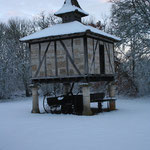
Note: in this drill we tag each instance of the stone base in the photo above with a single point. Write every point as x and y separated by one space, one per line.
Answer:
87 113
35 111
86 99
35 100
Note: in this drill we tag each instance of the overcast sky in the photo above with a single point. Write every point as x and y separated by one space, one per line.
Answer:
31 8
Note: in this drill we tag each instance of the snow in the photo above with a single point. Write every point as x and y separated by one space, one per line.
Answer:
65 29
128 128
68 7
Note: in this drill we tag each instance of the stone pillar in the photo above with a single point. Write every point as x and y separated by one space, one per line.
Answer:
112 91
86 99
35 101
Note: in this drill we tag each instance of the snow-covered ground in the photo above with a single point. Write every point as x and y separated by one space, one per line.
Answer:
128 128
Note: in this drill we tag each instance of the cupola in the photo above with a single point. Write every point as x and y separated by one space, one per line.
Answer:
71 11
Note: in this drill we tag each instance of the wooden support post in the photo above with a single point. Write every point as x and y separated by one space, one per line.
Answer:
111 90
86 99
100 106
35 101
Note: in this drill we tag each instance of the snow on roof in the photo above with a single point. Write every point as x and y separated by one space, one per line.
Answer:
65 29
68 7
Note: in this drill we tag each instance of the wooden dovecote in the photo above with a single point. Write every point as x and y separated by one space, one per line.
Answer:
72 52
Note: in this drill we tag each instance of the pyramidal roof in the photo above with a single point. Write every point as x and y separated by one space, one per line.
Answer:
71 6
66 29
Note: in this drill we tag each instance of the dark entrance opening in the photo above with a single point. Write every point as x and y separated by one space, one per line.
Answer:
102 59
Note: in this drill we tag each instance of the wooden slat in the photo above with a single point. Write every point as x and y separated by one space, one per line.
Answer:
71 60
42 60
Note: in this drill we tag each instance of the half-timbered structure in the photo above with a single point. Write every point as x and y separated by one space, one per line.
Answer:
71 52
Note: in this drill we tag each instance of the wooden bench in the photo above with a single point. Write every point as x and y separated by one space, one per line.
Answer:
100 98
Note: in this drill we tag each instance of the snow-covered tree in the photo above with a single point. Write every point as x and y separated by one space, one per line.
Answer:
45 20
6 72
130 20
14 55
16 29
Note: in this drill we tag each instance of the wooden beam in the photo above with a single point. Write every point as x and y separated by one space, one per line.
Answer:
72 46
114 58
71 60
55 51
67 65
56 38
74 35
94 51
86 67
37 72
39 53
93 55
29 47
45 66
73 79
108 54
110 59
100 37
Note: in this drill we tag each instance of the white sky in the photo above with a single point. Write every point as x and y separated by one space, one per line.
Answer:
30 8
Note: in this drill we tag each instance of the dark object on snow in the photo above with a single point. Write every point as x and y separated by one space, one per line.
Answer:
72 104
68 104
